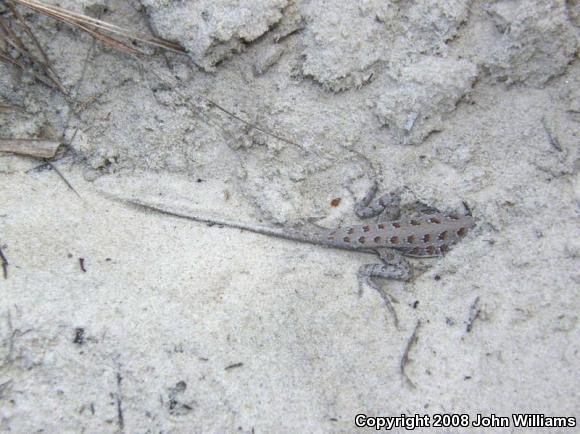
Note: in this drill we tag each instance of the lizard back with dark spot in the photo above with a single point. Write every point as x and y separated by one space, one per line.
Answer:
427 235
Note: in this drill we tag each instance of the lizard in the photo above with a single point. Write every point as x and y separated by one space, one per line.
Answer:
392 237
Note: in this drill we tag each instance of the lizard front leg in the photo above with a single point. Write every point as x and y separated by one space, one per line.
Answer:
387 207
393 266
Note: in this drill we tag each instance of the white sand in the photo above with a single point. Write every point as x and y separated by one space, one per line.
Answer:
179 327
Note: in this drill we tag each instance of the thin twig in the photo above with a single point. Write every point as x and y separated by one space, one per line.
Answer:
68 184
76 90
551 137
474 312
405 359
388 302
234 365
119 399
249 124
4 264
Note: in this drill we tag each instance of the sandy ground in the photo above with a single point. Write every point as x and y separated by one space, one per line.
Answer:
116 319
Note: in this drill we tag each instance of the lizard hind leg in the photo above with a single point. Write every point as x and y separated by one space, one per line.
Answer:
393 266
386 206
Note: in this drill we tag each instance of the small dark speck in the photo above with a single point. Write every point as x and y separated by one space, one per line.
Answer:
82 264
437 277
108 259
233 366
69 255
199 180
415 304
449 321
335 202
79 338
333 419
467 377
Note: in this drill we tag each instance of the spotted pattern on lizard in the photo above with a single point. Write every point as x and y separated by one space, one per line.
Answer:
423 236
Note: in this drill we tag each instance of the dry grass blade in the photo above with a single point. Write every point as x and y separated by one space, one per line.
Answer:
95 27
37 148
4 58
45 63
8 35
29 33
9 108
112 42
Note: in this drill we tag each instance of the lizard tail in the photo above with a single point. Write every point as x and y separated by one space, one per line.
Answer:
316 236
